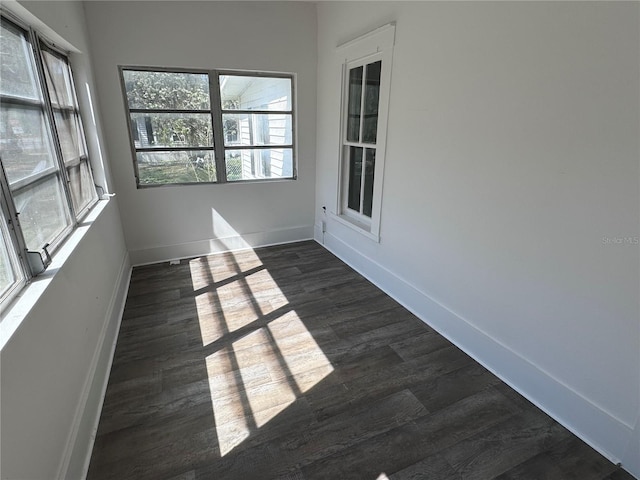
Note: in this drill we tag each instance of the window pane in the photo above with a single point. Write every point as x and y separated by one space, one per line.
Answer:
355 99
256 129
371 100
255 93
69 130
8 274
69 133
25 147
251 164
369 167
56 73
355 178
42 209
16 68
167 90
81 185
161 168
163 130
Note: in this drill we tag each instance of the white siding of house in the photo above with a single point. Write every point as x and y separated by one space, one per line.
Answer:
266 99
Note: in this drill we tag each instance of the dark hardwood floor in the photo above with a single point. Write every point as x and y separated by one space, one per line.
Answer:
284 363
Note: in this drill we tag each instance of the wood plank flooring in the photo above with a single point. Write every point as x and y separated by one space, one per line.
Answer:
283 363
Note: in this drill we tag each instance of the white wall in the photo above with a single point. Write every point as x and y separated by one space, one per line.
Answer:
55 366
55 358
512 151
168 222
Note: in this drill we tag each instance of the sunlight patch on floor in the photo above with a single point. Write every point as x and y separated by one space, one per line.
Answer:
236 303
260 375
262 372
269 399
210 318
205 271
228 412
265 292
305 360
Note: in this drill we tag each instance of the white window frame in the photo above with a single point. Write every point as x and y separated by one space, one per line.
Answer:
27 264
374 46
9 240
73 109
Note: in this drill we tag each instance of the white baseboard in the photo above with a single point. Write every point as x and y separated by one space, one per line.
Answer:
165 253
607 434
77 453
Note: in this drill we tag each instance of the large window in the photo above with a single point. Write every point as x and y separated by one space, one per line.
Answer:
366 77
189 127
45 179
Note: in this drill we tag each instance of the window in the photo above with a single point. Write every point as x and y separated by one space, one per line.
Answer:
46 183
362 126
68 124
366 80
189 127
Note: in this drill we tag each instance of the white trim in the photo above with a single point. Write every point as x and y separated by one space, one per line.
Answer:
631 458
355 226
376 45
105 381
384 36
163 253
599 428
77 451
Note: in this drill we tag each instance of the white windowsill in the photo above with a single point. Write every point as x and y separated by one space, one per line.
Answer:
12 316
359 227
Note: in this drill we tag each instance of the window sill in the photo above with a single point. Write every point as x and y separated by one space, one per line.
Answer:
359 227
13 314
231 182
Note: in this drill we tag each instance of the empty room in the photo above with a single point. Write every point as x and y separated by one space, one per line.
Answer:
298 240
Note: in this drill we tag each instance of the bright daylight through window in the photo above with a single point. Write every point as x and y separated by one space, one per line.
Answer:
46 181
209 126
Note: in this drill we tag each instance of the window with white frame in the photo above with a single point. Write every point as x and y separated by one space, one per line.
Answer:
190 127
46 183
366 81
68 126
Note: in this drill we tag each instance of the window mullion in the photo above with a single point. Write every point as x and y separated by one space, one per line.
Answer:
48 110
216 119
166 110
360 138
362 93
33 179
259 112
362 171
22 102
